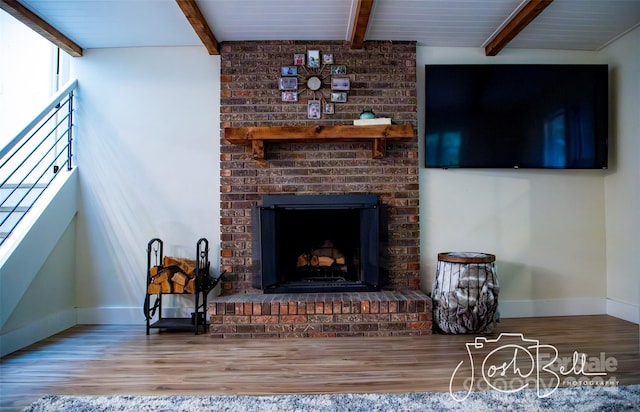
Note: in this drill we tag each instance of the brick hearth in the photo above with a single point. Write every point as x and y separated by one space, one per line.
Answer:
387 313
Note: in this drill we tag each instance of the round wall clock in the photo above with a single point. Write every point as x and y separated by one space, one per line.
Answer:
314 83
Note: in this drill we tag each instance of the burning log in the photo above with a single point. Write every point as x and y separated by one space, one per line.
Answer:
325 256
302 261
328 255
325 261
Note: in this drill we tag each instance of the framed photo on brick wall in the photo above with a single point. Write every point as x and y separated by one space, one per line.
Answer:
288 83
338 69
339 97
298 59
289 71
313 58
340 83
329 108
289 96
313 109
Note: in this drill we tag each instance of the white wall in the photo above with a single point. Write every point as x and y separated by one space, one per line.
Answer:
622 187
37 283
546 227
48 305
148 153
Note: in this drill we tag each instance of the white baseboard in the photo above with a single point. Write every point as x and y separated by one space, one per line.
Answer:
124 315
552 307
36 331
569 307
623 310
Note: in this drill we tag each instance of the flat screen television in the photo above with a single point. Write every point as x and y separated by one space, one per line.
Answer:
516 116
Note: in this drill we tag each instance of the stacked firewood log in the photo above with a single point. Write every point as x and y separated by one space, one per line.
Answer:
175 275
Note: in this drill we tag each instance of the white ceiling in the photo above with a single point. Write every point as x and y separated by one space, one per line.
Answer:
565 24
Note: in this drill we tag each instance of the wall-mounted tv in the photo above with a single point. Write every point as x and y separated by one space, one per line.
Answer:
516 116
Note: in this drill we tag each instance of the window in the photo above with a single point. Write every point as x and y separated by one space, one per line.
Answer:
28 78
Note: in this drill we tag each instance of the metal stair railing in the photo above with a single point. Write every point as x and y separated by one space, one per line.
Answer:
32 159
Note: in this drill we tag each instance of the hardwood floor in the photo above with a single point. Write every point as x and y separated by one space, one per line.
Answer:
97 360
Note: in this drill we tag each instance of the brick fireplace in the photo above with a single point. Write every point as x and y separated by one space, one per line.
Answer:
382 77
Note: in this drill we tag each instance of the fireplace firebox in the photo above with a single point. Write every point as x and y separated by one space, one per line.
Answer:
319 243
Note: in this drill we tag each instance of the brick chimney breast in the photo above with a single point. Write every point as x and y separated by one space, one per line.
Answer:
382 78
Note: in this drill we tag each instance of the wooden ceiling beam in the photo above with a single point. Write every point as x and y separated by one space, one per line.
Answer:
360 23
35 23
192 12
521 20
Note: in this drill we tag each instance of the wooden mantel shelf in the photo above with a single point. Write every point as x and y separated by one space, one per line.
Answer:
258 135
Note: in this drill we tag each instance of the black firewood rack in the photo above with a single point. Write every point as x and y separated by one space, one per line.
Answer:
204 283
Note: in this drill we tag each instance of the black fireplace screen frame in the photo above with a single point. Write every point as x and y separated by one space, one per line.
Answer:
268 271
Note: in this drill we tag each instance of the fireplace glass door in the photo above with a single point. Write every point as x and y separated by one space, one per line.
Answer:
314 243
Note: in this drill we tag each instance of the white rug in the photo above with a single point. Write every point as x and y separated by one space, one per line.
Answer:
622 398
